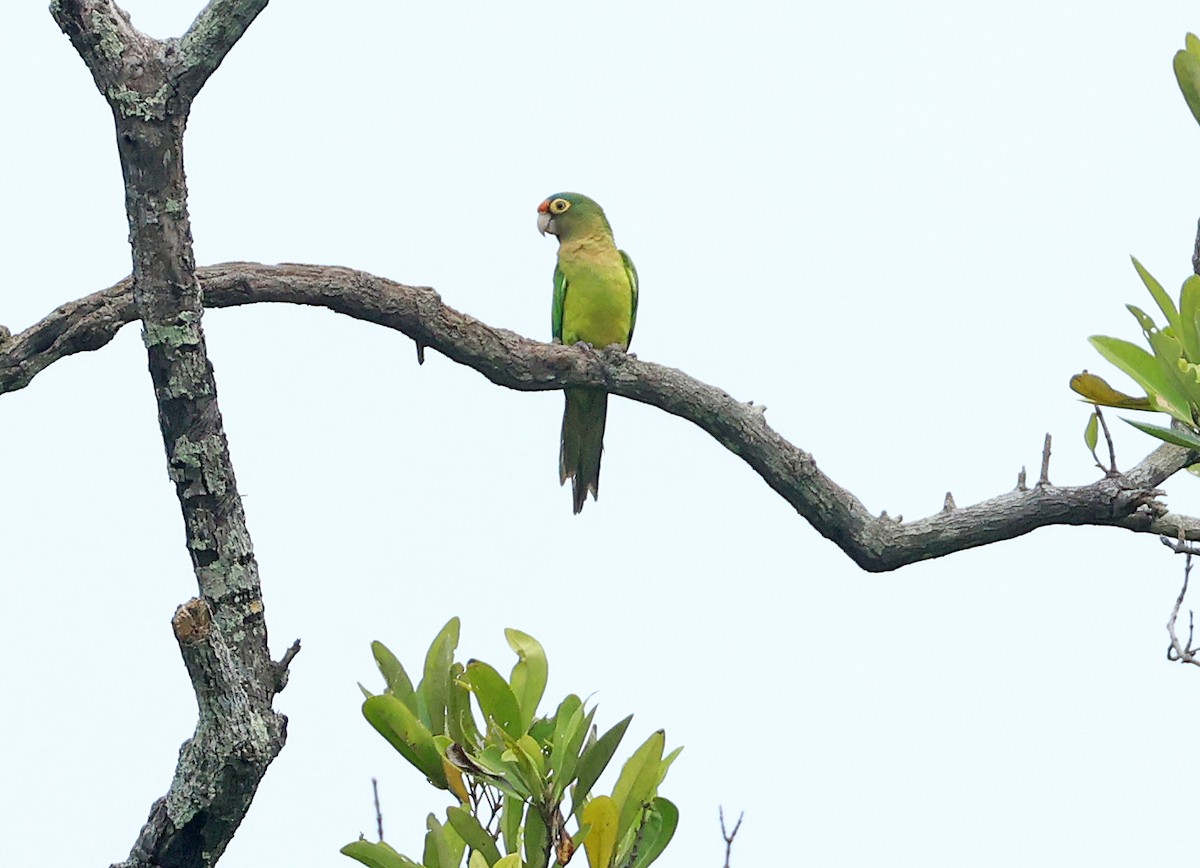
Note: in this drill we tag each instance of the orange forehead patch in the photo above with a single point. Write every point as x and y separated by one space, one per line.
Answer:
544 207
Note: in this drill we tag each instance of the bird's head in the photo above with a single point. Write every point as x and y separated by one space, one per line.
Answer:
569 215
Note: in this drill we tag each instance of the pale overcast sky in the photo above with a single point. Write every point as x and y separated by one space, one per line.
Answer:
893 224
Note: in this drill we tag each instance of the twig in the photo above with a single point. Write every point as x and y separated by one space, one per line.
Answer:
1111 470
495 802
281 668
1176 650
378 812
1180 546
729 836
1044 478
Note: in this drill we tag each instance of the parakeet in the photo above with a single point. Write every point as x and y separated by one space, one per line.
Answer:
595 301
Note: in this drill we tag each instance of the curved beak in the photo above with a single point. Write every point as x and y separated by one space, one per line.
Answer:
545 218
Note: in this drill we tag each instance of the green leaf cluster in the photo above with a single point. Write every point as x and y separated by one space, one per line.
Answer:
520 780
1169 372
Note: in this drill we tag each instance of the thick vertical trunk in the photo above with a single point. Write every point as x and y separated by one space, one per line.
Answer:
150 84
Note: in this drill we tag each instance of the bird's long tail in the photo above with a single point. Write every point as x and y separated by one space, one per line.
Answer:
582 442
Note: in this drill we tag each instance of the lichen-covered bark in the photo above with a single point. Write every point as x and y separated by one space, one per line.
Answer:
219 768
167 298
149 85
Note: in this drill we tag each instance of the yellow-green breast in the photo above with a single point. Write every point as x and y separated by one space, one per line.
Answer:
598 307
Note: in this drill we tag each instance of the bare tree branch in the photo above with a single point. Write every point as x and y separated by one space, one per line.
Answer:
729 835
1044 476
1179 651
378 810
149 85
1111 468
1129 500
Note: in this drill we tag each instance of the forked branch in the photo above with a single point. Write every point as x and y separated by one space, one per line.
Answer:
149 85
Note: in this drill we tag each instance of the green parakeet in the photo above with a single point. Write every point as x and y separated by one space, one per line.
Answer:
595 302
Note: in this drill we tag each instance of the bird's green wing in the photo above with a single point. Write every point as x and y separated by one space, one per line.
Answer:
556 311
631 273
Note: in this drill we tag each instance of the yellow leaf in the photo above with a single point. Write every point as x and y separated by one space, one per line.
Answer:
455 779
601 843
1096 390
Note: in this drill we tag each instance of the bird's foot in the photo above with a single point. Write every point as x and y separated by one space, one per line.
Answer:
615 354
587 349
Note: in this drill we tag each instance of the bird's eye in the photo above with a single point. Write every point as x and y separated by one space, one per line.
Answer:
559 205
